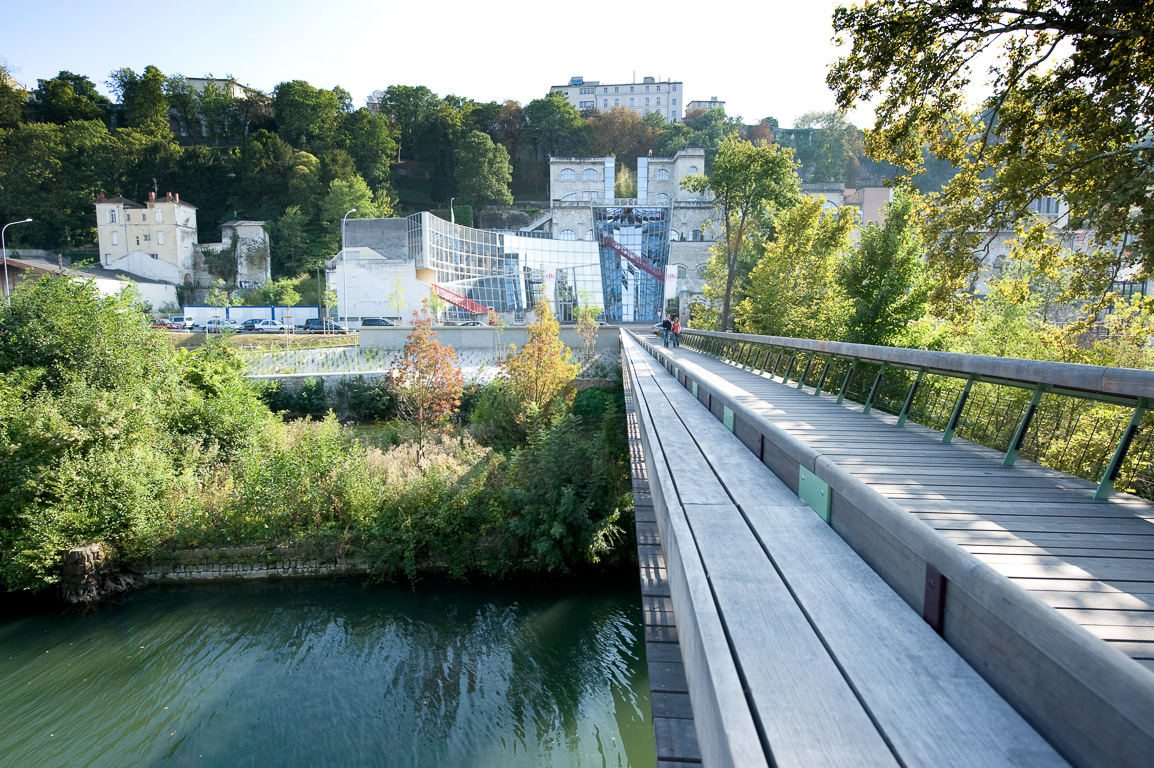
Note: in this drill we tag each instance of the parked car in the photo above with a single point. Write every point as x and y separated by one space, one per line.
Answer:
376 322
268 326
322 325
472 323
180 322
250 324
219 325
159 322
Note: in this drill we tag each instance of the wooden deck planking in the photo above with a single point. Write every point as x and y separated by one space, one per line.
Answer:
946 487
960 721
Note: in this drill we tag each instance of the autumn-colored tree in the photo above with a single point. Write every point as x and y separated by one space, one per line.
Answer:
430 384
542 372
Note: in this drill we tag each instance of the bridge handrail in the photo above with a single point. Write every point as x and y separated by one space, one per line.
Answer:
1126 384
1128 387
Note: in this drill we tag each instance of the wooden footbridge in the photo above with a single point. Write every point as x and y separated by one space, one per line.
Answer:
829 583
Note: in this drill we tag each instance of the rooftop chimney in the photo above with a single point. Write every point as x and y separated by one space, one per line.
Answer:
177 197
100 197
152 197
169 194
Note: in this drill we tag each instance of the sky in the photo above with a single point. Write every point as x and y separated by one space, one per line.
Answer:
766 58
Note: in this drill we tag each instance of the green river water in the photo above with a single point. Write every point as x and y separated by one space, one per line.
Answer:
331 673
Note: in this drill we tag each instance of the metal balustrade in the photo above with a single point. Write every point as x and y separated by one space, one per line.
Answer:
1089 421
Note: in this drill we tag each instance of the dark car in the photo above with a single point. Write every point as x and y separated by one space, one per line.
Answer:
376 322
322 325
250 324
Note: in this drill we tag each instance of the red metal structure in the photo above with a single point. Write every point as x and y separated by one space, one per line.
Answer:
633 258
460 301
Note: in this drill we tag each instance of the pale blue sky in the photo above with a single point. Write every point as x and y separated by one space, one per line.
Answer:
762 58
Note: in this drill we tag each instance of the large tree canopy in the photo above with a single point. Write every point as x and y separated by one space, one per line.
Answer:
1069 114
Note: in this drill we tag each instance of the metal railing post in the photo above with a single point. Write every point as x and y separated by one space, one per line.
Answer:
948 436
869 403
1114 468
824 373
804 373
1023 426
845 381
789 368
910 398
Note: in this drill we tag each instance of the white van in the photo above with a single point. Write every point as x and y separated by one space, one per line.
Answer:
180 321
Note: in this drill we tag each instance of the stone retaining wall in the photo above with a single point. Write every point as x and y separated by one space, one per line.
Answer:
242 563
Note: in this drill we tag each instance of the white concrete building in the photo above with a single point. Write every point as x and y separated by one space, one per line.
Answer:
665 97
713 103
158 241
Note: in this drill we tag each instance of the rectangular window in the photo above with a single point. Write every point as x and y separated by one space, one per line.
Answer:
617 102
675 102
647 89
111 215
659 101
160 238
605 90
159 215
631 89
631 101
116 238
616 89
605 103
147 238
675 89
659 87
647 101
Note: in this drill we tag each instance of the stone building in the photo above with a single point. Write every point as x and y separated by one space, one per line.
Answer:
157 240
665 97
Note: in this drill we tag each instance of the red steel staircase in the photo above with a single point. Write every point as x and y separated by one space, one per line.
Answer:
633 258
460 301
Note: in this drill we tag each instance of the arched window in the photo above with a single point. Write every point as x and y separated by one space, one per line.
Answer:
567 234
662 175
589 174
570 196
662 197
568 174
700 270
682 272
589 235
674 235
692 169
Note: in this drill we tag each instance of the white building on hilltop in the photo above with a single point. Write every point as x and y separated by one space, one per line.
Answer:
665 97
158 241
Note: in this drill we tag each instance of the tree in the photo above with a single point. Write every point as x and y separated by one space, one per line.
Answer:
836 147
883 277
430 384
12 99
483 171
746 178
368 141
142 97
1068 114
553 126
795 288
67 97
541 372
307 117
182 100
622 133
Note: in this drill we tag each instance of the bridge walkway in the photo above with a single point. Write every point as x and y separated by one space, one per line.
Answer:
795 652
1026 573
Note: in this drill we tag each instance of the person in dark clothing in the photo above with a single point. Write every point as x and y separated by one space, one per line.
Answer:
666 327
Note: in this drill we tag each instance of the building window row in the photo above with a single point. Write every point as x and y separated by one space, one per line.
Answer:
586 104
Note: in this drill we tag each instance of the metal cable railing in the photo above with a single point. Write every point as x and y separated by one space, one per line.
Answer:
1088 421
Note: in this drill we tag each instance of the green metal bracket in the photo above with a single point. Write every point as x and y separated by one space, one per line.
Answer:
845 382
727 417
789 368
804 373
1023 427
948 436
824 373
910 398
814 492
1114 468
869 403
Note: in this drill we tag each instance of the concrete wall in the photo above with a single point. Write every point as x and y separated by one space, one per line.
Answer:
199 565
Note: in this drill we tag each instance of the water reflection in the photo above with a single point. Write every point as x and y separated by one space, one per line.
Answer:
331 674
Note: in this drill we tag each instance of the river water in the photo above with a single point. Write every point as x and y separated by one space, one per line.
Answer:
331 673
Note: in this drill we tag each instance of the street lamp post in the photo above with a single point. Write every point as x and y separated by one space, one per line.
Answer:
345 269
4 253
